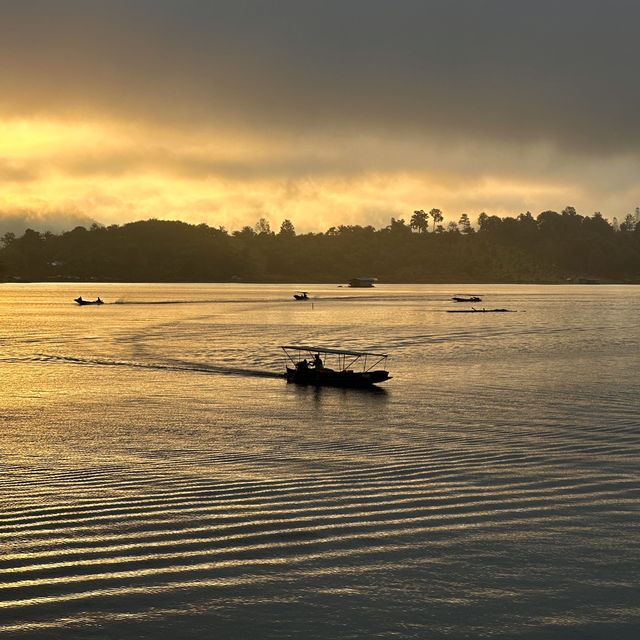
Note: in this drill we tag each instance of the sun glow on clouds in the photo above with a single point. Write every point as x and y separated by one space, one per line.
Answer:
115 173
224 112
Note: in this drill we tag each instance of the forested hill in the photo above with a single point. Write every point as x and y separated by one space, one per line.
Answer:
552 247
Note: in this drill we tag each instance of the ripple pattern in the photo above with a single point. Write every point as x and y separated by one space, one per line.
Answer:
99 543
159 479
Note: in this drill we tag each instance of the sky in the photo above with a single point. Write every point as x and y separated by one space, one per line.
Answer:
322 112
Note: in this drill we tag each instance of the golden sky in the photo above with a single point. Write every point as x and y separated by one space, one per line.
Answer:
320 112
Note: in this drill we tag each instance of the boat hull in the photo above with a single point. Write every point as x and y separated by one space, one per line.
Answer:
330 378
84 303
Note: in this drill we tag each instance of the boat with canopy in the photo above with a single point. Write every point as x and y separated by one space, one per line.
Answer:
348 368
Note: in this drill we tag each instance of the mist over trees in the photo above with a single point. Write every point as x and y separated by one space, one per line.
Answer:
551 247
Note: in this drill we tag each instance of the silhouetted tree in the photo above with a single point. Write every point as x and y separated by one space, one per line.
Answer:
398 226
287 229
245 232
263 227
436 216
553 247
464 224
420 221
628 224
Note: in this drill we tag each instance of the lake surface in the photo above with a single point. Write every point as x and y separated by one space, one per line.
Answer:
159 477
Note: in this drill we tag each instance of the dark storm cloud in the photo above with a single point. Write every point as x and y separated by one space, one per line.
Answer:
503 70
55 221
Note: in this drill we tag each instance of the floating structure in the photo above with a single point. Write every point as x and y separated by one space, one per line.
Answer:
301 295
472 310
362 282
352 368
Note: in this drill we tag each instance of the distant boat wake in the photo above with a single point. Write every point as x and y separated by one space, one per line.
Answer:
211 301
174 366
121 301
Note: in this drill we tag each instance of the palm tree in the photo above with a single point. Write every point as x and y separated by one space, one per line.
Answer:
436 216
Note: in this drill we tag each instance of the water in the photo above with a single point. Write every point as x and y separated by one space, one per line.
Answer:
161 479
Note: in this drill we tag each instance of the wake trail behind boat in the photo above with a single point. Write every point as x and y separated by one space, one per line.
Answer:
157 302
122 301
176 365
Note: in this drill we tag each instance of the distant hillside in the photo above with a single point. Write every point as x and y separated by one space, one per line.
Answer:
553 247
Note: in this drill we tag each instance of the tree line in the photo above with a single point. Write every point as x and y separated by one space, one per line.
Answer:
549 248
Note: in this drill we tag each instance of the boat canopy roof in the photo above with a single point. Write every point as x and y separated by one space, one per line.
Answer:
341 352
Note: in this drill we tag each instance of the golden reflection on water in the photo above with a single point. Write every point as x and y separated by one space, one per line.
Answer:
157 467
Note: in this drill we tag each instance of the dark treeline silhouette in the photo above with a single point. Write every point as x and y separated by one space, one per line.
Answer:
552 247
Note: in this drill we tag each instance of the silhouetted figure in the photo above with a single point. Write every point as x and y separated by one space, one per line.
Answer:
303 366
317 361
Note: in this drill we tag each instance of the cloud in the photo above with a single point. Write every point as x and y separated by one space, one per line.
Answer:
17 171
116 174
516 71
317 109
55 221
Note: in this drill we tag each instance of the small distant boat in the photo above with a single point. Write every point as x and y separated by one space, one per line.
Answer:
344 374
467 299
362 282
301 295
83 302
472 310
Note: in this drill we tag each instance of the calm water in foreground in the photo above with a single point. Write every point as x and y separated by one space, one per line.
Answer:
159 478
